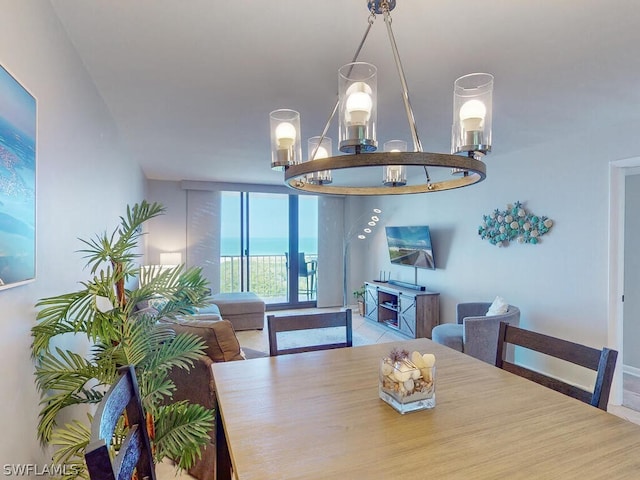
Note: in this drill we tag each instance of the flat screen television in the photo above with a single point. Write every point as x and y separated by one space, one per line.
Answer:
410 246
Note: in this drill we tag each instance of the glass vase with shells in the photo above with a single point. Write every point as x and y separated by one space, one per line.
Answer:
407 382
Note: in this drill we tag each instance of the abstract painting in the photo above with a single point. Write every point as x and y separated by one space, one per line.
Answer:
17 183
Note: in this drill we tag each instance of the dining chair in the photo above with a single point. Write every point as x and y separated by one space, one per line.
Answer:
135 450
315 321
603 362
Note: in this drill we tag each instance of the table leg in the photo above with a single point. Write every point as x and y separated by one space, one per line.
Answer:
223 459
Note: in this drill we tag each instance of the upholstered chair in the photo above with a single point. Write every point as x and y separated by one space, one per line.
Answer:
475 333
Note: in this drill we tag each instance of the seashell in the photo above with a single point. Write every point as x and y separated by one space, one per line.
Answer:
426 374
429 359
417 359
386 369
415 374
402 373
409 385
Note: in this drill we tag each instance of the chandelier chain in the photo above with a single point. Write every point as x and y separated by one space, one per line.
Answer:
384 6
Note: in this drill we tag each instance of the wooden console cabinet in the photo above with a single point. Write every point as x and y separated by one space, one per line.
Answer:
411 312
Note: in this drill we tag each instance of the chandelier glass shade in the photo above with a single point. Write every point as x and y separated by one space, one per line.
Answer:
356 108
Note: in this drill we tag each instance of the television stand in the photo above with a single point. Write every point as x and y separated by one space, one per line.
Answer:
409 311
412 286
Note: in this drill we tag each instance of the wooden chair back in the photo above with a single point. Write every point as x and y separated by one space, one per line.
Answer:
135 451
289 323
603 362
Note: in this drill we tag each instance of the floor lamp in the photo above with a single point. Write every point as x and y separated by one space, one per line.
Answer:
364 226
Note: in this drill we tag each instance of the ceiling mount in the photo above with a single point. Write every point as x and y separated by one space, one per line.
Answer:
379 6
356 108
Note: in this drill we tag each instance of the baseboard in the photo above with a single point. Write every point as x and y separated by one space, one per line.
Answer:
629 370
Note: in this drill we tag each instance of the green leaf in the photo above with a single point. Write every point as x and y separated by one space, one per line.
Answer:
182 430
71 442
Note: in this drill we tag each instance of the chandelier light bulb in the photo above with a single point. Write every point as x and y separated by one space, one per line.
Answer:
319 148
394 175
472 114
359 104
321 153
285 134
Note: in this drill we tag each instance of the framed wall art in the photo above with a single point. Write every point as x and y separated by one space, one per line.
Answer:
17 183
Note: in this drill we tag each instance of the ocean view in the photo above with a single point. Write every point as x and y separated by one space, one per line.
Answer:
230 246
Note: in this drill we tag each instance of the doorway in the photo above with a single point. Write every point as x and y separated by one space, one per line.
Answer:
269 245
624 281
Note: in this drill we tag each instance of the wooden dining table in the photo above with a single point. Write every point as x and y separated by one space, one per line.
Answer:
318 415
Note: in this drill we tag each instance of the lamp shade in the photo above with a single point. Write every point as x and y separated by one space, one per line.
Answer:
285 138
319 147
472 104
357 97
395 175
171 258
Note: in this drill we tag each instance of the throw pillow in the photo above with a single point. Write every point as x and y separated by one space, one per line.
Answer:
498 307
219 337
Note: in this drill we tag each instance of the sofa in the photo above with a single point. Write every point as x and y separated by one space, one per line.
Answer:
475 332
196 385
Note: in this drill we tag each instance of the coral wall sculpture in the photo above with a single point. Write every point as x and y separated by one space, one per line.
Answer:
514 223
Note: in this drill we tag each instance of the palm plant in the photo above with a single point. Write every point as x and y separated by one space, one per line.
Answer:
104 312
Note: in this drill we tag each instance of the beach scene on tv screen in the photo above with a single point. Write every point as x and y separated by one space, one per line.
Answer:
410 246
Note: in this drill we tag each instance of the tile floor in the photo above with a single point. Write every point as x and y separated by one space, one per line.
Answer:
366 332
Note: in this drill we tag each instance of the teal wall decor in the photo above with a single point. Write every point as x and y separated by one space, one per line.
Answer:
514 223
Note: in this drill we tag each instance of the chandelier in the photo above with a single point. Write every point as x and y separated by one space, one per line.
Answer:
357 119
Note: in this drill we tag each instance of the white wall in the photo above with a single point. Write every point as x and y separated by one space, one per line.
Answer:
190 226
84 185
561 284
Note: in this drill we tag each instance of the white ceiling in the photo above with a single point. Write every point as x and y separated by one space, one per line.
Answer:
190 83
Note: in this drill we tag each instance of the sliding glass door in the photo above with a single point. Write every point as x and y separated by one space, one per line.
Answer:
269 247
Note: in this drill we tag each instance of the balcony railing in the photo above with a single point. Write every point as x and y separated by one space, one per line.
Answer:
268 276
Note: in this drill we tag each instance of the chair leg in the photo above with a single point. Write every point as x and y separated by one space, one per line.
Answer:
313 285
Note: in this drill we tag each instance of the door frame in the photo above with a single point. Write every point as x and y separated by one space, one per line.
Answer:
617 172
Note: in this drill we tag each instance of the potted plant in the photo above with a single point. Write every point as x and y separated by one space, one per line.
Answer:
359 296
106 312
